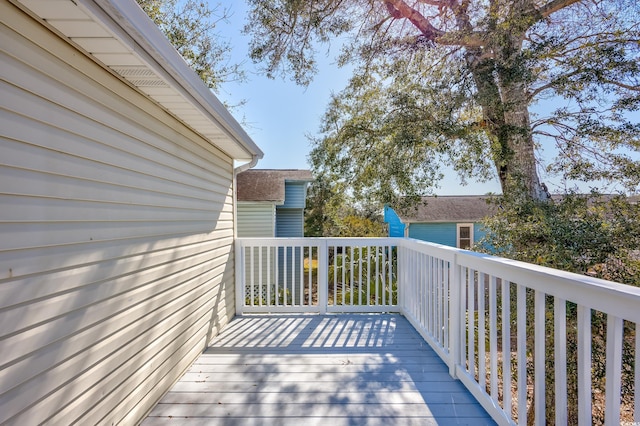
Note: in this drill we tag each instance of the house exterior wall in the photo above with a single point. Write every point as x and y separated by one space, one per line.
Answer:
295 194
116 260
441 233
289 222
478 232
396 227
256 220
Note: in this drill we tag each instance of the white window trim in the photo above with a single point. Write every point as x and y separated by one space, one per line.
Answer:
460 225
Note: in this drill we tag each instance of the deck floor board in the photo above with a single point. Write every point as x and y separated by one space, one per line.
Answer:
316 370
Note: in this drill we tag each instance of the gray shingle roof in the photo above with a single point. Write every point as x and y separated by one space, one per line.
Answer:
268 184
449 208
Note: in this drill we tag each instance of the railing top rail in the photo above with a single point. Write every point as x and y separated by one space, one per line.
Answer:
609 297
606 296
318 240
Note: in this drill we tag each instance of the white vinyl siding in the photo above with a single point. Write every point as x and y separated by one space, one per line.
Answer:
116 261
256 220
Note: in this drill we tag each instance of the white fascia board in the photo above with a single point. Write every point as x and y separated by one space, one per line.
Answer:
128 23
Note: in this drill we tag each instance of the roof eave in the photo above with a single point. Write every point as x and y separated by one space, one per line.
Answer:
140 40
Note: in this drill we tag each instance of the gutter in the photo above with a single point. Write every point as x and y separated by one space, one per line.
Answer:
237 170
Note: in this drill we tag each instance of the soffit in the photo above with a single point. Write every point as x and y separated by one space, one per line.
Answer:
155 70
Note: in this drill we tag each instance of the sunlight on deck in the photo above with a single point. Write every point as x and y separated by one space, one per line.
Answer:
312 369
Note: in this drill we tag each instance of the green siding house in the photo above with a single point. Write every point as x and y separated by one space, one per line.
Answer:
449 220
271 202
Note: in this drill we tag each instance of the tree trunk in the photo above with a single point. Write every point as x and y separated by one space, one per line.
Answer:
521 171
502 96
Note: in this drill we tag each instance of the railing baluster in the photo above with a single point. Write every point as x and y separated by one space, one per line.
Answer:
294 275
310 275
285 268
522 354
471 323
560 359
269 251
384 275
425 292
455 340
301 285
252 280
323 277
613 370
539 357
430 302
335 276
352 267
344 274
260 301
506 346
368 275
391 273
276 277
584 365
493 336
636 379
436 298
379 273
439 302
360 275
482 338
446 298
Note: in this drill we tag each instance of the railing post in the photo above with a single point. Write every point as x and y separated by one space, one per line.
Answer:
239 269
401 277
455 320
323 276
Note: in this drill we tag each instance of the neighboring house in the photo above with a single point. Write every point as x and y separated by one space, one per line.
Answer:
271 202
116 212
450 220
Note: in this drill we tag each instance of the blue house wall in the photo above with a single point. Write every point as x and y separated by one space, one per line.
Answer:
396 227
289 222
445 233
295 194
441 233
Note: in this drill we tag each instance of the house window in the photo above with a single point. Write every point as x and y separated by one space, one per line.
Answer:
465 235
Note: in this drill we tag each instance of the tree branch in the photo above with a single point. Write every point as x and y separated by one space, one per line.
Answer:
621 85
399 9
432 2
554 6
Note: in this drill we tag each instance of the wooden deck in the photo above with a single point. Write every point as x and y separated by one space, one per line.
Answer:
318 370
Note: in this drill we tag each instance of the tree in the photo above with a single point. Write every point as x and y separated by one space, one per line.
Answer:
454 81
592 234
190 26
331 213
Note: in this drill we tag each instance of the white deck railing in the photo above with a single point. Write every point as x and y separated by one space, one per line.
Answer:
513 333
316 275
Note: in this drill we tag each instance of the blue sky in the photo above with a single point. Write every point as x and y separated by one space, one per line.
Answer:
279 114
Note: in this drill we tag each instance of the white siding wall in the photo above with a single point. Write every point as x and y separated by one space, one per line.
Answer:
256 220
116 233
